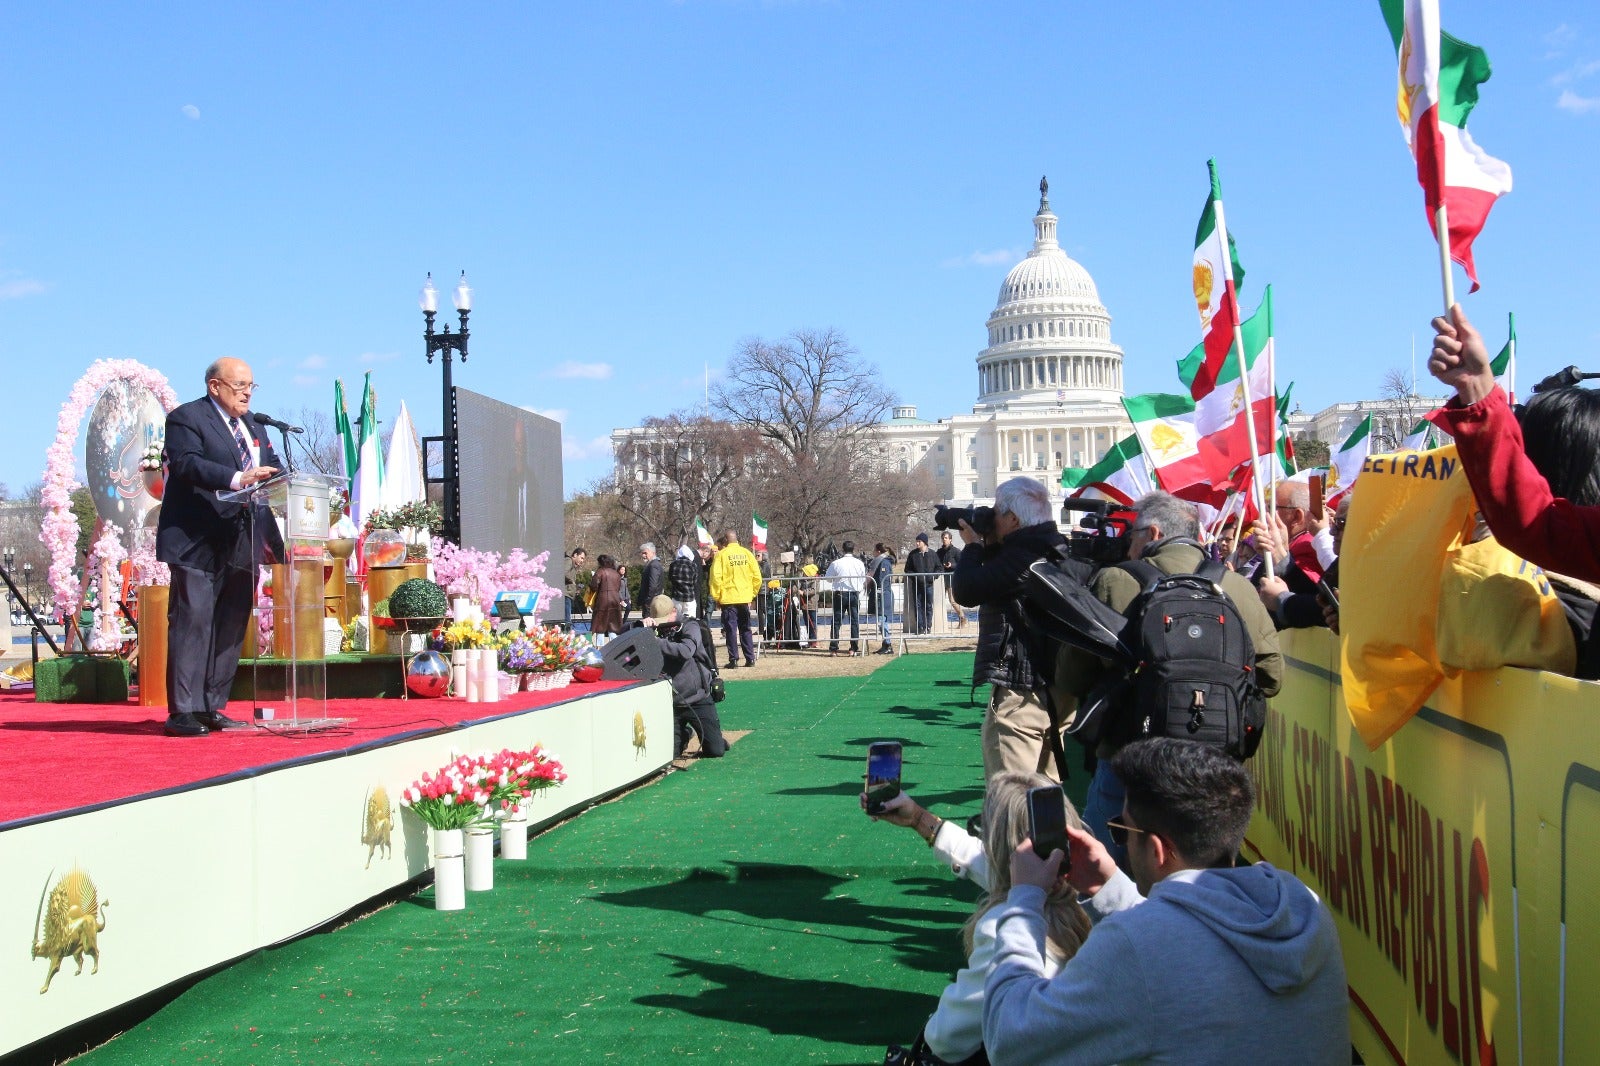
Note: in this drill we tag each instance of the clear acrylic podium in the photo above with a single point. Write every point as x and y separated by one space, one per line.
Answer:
290 687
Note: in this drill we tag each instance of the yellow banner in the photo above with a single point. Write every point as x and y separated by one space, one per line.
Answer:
1458 859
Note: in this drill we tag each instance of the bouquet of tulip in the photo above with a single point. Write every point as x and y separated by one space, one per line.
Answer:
552 649
448 800
535 771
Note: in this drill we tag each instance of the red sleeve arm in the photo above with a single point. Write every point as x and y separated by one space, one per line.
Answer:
1522 512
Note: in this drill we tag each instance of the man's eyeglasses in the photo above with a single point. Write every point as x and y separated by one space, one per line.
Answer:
1119 832
243 388
1339 523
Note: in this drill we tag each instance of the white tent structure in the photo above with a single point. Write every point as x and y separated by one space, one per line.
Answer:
402 473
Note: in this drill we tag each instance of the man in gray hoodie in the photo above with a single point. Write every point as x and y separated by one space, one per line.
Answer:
1192 959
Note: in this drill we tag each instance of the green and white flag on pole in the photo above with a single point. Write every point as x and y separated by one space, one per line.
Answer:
1122 475
758 533
1504 365
1346 462
341 426
1424 436
367 486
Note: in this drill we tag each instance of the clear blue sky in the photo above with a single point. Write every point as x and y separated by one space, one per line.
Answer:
633 188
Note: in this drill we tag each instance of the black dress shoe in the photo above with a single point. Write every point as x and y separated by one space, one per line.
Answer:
184 725
217 720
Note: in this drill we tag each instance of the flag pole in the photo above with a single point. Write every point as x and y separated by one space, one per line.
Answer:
1441 221
1244 375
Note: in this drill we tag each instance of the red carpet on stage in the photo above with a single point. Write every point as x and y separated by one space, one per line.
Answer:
61 756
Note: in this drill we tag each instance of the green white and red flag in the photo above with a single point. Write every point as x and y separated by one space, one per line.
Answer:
1220 406
1346 463
1439 79
1504 365
758 533
702 534
1285 442
1122 475
1217 276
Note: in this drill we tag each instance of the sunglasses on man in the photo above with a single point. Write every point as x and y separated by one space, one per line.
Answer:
1119 832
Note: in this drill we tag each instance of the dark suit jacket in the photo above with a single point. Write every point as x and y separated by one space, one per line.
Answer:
196 529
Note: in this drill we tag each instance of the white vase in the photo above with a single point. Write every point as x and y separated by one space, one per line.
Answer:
458 673
449 886
474 676
514 835
489 675
480 858
458 608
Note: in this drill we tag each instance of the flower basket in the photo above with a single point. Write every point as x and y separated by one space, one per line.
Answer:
545 680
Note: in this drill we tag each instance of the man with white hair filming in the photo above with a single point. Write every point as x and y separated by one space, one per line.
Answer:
1019 729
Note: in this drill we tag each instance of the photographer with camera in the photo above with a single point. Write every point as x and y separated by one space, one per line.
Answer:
686 661
1164 538
1020 732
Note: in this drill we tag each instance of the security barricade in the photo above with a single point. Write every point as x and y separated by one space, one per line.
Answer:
795 613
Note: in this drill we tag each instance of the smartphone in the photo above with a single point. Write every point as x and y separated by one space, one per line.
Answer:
1326 595
1317 484
1047 820
883 774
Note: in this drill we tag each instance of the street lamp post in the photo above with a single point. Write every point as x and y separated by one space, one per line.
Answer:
27 583
11 601
443 343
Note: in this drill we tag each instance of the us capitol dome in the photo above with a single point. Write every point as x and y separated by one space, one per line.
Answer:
1049 388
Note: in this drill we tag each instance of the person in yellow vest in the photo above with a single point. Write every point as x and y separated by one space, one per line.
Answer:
735 582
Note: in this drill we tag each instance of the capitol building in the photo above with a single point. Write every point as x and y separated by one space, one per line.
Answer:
1049 384
1049 388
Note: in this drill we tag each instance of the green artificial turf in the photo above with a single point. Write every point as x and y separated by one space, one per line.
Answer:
743 911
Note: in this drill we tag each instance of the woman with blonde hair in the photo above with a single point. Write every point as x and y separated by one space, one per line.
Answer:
954 1032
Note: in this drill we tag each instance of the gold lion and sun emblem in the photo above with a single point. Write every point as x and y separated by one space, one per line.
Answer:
1205 283
377 824
68 924
639 742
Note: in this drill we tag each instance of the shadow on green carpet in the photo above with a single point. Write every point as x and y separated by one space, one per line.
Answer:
744 911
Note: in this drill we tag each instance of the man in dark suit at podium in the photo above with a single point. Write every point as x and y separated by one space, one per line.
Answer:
213 444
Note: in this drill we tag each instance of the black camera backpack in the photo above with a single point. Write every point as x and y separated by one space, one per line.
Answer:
1194 675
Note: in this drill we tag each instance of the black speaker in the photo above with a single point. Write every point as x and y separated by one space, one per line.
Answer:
632 656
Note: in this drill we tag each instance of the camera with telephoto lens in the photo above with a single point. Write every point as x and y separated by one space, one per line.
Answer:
1101 535
949 516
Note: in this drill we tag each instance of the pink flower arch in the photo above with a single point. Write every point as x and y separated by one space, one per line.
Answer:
60 528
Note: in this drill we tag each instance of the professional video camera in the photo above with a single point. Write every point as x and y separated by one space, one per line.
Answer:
1101 535
948 516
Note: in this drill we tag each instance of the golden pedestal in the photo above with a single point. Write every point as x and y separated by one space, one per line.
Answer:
335 591
301 593
153 600
382 581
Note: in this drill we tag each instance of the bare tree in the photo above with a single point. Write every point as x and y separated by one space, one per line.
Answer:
1402 409
320 446
684 467
815 407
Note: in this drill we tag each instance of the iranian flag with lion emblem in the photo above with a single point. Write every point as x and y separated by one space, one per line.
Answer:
1439 78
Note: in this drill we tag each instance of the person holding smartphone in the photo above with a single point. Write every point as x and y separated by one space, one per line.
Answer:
954 1032
1193 958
